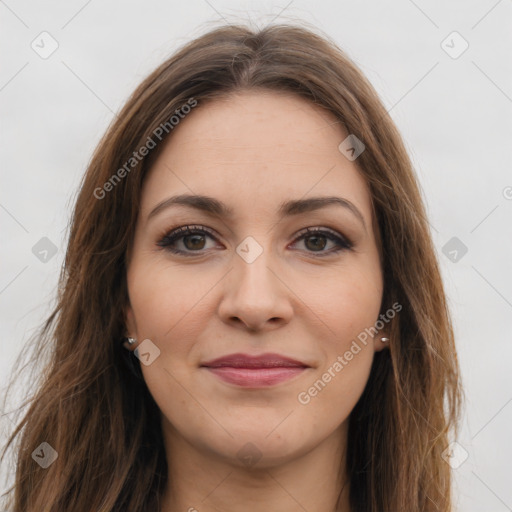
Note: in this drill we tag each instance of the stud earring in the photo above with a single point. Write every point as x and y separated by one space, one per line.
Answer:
129 358
384 340
130 341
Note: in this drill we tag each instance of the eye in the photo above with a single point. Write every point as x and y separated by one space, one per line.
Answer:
316 239
193 240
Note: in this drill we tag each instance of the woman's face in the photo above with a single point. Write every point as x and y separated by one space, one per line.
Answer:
248 281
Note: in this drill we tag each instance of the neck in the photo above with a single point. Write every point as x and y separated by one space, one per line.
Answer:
201 481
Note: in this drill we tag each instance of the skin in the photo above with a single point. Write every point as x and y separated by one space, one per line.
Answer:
252 151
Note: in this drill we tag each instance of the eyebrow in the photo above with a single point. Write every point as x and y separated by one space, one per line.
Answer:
215 207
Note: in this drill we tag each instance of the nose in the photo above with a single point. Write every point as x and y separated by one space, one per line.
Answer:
255 296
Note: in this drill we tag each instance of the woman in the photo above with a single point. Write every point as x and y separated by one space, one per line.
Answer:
251 311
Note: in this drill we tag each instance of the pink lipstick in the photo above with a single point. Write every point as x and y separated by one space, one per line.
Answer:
255 371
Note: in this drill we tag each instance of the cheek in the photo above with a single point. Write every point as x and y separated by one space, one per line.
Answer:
170 307
328 398
349 306
347 302
168 301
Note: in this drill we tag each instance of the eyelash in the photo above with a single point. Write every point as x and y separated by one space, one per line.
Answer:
172 236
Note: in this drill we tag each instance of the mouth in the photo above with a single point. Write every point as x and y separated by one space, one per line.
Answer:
255 371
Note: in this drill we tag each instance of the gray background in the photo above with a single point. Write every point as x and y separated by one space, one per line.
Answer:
454 115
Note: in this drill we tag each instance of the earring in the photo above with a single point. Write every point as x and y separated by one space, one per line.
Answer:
384 340
129 358
130 341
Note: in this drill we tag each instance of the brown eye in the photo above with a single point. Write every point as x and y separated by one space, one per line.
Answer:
192 239
317 239
195 242
315 242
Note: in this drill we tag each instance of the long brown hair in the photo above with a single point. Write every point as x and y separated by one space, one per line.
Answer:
98 414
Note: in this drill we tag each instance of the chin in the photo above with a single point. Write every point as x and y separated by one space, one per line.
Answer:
252 447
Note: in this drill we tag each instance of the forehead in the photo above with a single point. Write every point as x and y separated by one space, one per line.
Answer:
254 149
250 122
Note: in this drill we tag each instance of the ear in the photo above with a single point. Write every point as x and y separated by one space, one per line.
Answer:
378 344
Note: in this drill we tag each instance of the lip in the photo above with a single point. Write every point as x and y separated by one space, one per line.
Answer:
255 371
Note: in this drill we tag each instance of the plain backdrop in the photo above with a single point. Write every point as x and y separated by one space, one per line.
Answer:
452 104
